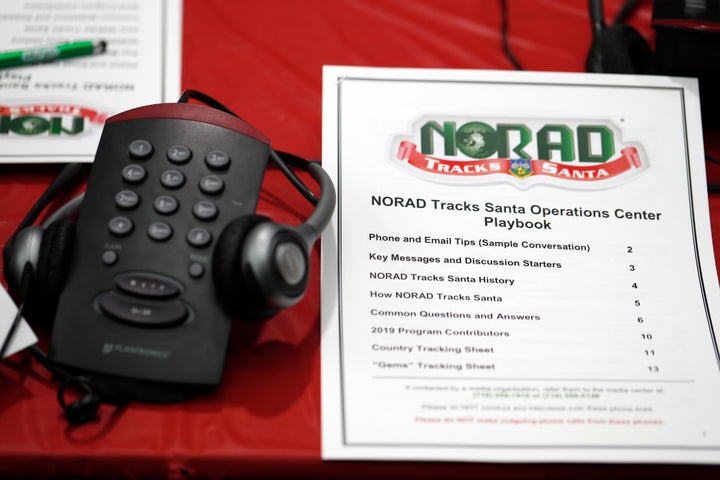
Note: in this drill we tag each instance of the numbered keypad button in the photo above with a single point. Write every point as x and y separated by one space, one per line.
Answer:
140 149
127 199
120 226
133 174
172 179
211 185
166 205
199 237
179 154
205 210
217 160
159 231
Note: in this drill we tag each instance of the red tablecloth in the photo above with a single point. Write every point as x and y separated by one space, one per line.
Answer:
264 60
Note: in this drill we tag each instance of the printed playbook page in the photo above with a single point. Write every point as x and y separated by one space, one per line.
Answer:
520 269
54 111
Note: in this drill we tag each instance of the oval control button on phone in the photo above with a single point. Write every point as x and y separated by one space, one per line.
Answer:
164 313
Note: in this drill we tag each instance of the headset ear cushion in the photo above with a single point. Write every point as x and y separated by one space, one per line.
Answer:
52 269
240 296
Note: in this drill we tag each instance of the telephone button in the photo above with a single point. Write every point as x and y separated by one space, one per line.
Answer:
159 231
199 237
120 226
140 149
127 199
179 154
205 210
166 204
133 174
196 270
109 257
217 160
148 313
172 179
147 285
211 185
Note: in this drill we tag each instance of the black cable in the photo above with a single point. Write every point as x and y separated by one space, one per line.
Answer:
276 157
598 24
207 100
84 408
625 11
504 36
597 16
204 98
43 359
79 411
297 183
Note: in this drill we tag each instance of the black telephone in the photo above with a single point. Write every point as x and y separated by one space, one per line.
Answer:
167 249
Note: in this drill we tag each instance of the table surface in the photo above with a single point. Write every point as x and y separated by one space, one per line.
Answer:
264 60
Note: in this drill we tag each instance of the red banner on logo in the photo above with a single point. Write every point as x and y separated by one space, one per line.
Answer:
54 108
520 168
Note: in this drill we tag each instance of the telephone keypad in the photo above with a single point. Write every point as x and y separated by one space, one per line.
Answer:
167 205
165 182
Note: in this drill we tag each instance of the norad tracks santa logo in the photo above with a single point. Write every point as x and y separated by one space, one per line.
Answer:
569 154
48 120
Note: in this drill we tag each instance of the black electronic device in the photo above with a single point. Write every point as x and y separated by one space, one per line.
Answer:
166 252
139 300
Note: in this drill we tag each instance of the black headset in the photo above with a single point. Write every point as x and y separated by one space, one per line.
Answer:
36 258
259 267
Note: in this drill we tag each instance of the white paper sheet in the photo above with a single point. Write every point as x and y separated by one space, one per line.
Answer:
474 309
54 112
23 336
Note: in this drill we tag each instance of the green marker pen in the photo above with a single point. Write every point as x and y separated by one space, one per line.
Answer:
47 54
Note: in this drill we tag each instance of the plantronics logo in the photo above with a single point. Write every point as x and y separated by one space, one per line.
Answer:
585 155
48 119
110 348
